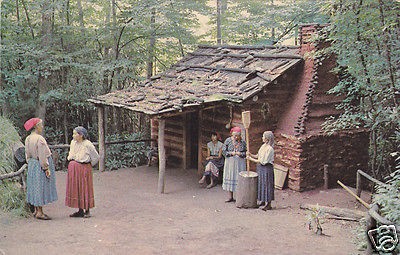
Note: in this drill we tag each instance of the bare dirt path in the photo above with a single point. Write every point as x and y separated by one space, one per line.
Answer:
131 218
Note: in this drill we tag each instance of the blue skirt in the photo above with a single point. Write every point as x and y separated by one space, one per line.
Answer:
233 165
266 182
40 190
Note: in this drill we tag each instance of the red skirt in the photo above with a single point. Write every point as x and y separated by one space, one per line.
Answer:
79 192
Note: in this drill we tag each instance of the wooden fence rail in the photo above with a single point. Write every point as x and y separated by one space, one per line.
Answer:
360 173
64 146
373 216
13 174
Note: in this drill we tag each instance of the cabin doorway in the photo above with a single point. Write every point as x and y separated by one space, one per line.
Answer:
192 140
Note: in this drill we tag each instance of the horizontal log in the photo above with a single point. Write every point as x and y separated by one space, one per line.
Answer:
244 47
13 174
341 212
373 212
257 55
64 146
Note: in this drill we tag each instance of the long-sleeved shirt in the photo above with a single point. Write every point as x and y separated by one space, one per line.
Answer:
231 146
36 147
83 152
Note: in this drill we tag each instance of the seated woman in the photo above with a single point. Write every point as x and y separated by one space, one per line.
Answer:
214 161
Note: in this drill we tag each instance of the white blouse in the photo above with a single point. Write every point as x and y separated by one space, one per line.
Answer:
83 152
266 154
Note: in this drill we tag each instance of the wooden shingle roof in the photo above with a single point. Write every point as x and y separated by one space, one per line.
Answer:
209 75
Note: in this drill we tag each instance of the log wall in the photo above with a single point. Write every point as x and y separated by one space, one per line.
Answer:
344 154
173 138
266 108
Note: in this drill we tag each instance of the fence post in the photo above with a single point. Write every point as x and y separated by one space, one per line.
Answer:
358 184
326 177
102 144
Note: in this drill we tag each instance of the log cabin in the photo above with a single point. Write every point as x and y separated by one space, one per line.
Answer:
284 88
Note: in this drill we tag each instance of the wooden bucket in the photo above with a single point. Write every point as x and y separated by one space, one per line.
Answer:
280 173
246 192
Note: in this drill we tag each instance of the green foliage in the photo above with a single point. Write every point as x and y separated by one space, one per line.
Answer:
365 38
360 233
388 196
8 138
267 22
125 155
12 198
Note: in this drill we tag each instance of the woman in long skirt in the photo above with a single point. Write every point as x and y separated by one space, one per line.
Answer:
214 161
41 180
265 169
82 156
234 151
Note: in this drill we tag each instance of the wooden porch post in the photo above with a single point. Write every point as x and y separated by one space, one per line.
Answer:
102 143
161 156
185 149
200 147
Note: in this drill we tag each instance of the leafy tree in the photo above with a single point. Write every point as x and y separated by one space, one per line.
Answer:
365 37
59 54
266 22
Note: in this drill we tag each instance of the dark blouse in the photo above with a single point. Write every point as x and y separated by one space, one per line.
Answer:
234 146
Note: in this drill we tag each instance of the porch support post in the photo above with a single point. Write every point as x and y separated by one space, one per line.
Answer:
102 143
161 156
185 144
200 146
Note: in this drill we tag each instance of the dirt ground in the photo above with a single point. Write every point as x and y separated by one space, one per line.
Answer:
131 218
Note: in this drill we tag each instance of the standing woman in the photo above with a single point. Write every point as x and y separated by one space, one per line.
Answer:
214 160
41 180
82 156
235 153
265 170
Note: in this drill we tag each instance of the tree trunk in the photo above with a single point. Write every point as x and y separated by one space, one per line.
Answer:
28 19
219 14
150 61
81 22
65 126
102 141
273 28
46 41
161 156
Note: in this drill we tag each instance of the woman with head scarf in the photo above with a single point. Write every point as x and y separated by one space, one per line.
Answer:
82 156
214 161
265 169
41 181
234 151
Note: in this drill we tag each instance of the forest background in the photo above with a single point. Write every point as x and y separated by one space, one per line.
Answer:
56 54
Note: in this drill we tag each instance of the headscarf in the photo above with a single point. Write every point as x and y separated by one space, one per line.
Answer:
29 124
236 130
82 131
270 136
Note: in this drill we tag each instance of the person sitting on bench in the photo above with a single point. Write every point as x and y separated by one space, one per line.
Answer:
214 161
